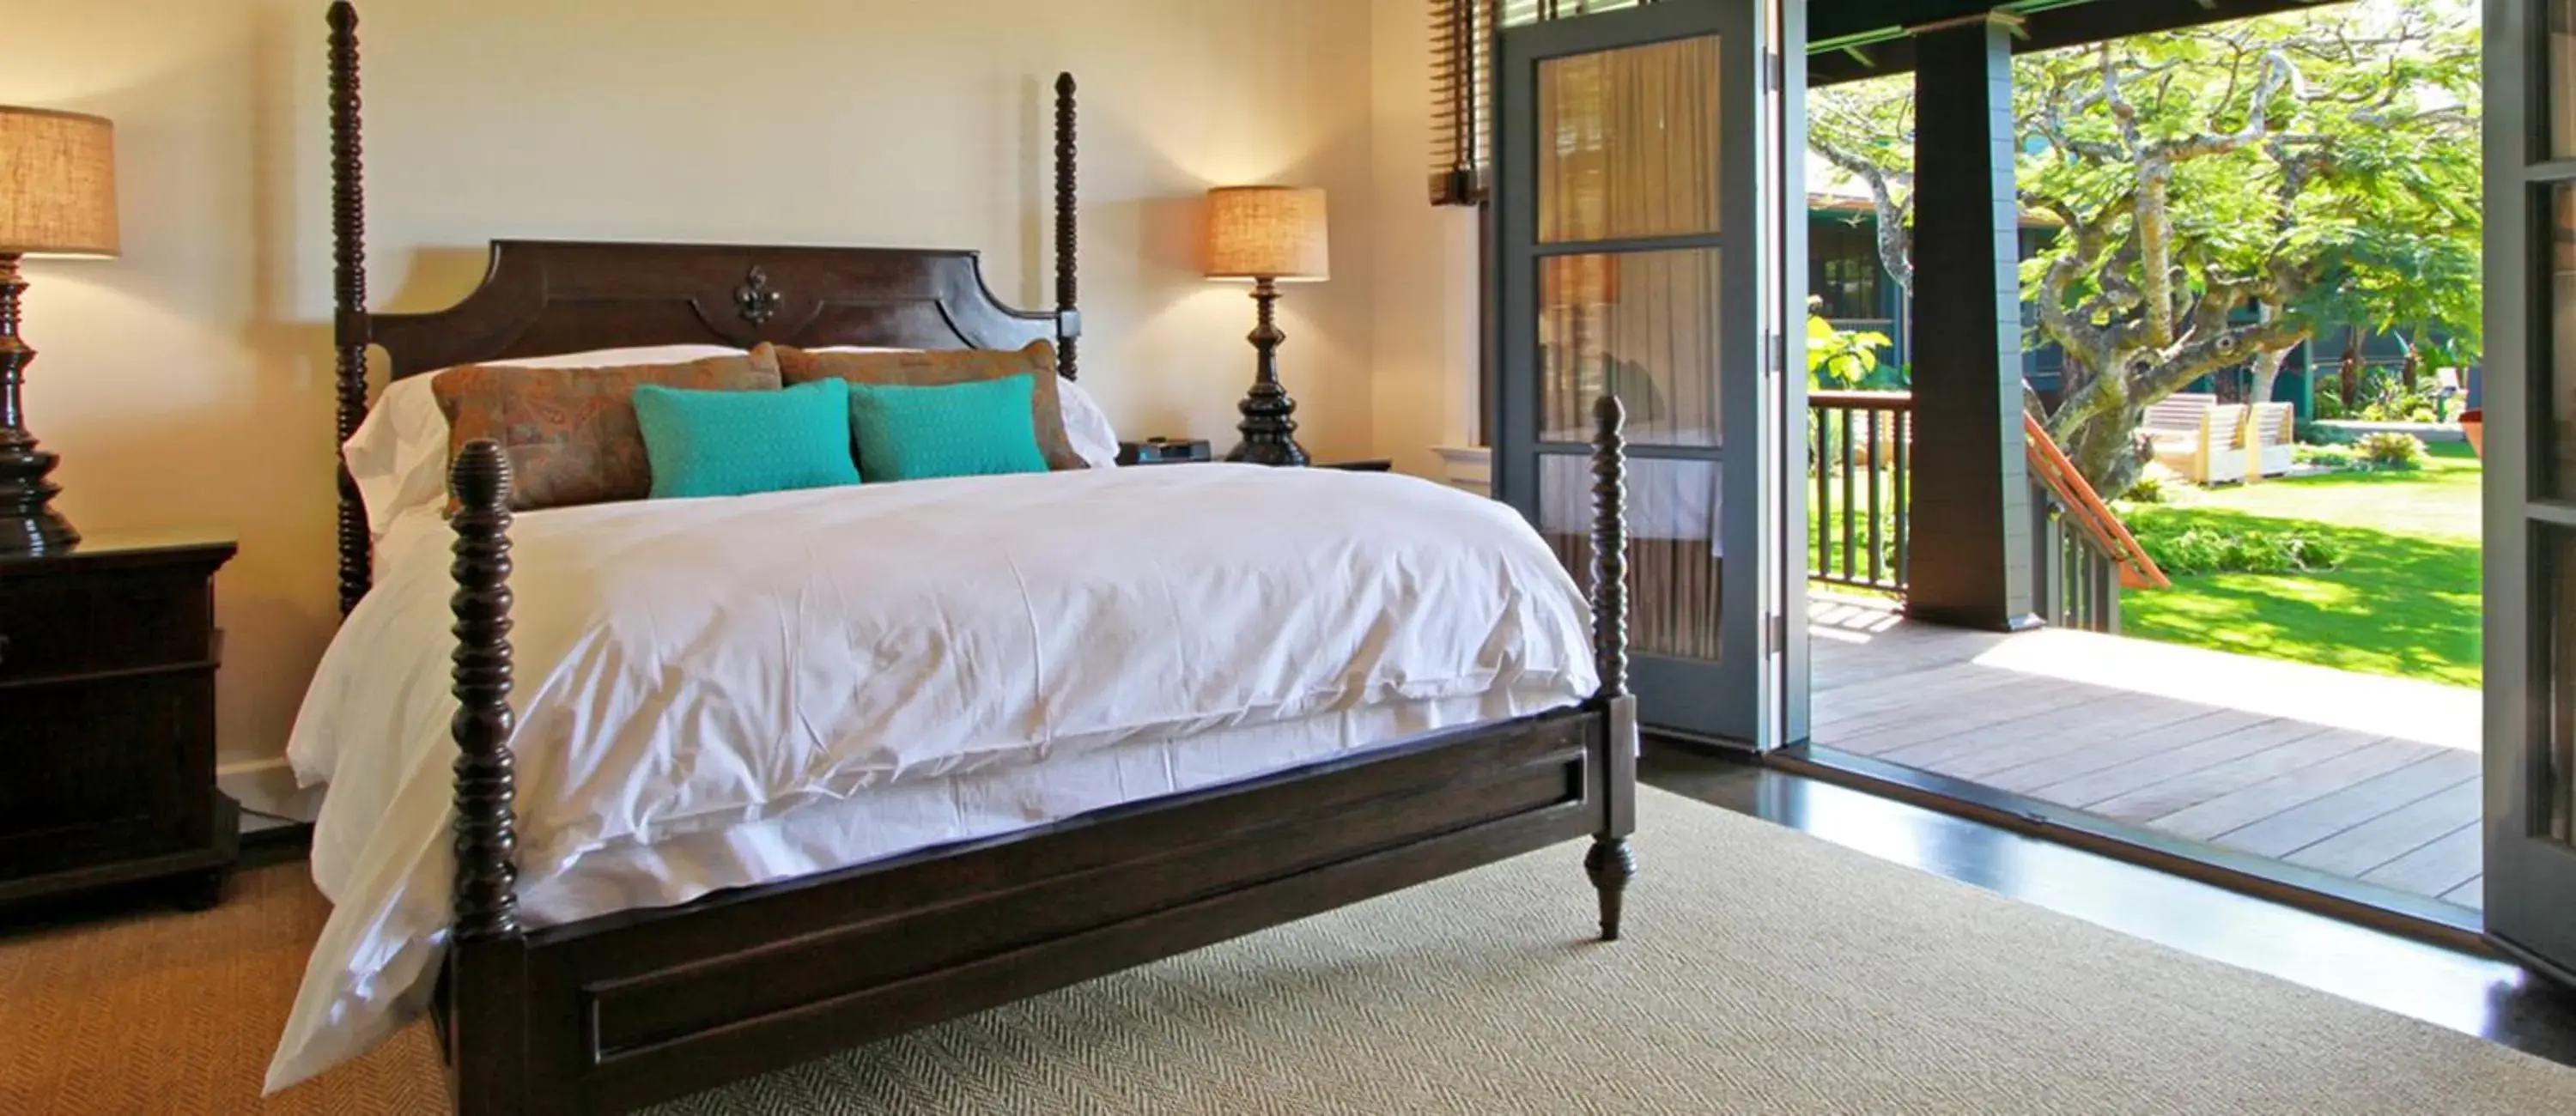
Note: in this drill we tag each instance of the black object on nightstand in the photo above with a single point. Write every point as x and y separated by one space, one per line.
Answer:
107 720
1163 451
1175 451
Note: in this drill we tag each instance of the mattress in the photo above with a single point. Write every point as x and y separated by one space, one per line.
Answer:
725 692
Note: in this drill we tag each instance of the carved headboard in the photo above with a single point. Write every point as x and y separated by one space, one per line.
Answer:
544 297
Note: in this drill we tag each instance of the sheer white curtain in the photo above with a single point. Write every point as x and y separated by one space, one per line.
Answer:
1628 149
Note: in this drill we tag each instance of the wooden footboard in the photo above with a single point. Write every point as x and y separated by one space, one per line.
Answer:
625 1010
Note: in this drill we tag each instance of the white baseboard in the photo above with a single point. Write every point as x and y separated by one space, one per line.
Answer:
266 790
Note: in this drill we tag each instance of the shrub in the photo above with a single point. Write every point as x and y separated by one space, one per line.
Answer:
2393 401
2325 398
2392 450
2182 547
2155 485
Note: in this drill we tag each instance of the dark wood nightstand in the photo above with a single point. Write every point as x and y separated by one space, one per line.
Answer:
1170 451
107 720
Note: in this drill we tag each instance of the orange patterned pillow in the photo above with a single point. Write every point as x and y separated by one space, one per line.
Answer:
570 433
935 367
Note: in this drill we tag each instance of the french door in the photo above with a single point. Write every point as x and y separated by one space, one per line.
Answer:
1642 247
2530 409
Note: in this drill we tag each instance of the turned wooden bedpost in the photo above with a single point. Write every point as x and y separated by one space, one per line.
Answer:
486 1022
349 293
486 784
1611 863
1068 319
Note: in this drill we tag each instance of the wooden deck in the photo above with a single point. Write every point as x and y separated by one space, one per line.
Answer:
2368 778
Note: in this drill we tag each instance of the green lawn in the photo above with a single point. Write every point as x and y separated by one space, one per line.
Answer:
2404 600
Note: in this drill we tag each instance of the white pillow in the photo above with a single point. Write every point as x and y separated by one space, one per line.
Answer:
399 454
1086 426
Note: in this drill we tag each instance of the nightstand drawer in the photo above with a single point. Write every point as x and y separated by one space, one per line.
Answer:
60 625
96 771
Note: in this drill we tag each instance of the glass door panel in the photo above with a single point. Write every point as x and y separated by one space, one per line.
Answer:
2559 97
1644 323
2552 796
1675 606
1628 142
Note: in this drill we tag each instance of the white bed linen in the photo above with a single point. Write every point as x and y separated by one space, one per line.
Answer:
721 692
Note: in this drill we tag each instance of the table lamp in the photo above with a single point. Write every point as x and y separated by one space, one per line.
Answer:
1270 235
57 198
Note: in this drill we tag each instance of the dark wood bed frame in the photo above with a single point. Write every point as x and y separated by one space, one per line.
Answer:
639 1006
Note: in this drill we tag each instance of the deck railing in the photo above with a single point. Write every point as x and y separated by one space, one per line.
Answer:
1860 512
1859 493
2076 584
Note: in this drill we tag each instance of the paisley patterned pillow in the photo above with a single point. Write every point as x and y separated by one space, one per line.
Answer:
571 433
939 367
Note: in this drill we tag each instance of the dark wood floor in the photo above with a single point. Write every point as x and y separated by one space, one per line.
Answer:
2369 779
2476 995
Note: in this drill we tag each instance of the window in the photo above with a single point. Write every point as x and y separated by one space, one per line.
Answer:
1843 271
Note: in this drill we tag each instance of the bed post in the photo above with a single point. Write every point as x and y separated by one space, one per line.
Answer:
1068 319
486 785
486 964
1611 863
349 292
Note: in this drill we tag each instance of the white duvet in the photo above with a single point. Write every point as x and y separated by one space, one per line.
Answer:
721 692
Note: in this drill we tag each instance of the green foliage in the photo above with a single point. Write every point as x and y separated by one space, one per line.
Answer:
2389 400
2325 396
2391 450
2328 456
2181 545
2155 485
2361 185
1847 359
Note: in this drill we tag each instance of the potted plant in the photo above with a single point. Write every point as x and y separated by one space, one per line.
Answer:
2473 422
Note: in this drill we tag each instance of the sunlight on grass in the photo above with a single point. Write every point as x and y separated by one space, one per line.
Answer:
2404 601
2440 499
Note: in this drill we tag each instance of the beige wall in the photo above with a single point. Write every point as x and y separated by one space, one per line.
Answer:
1424 373
187 383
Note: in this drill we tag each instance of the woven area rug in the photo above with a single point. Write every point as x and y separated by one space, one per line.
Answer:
1764 971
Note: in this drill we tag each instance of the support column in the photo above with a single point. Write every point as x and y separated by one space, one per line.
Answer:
1970 558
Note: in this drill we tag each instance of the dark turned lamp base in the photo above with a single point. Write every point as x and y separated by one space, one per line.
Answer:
1269 433
1286 452
44 532
28 522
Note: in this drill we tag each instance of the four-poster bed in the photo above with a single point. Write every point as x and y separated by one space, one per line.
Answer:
626 1008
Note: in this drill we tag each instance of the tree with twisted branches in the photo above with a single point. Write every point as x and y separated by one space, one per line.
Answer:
2220 194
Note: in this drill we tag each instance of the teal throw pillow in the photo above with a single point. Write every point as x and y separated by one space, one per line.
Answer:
731 443
951 430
